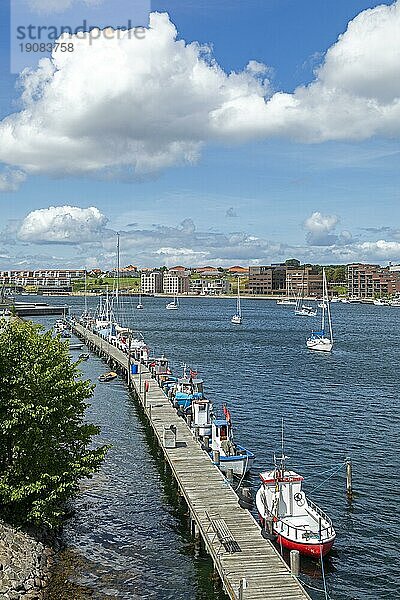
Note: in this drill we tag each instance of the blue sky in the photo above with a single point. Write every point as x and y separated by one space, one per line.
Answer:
245 197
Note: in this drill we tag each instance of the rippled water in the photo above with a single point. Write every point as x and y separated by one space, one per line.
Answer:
126 529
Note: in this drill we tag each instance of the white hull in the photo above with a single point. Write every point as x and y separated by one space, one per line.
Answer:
239 465
321 345
305 313
286 302
236 320
172 307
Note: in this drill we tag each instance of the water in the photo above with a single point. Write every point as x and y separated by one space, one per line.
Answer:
342 404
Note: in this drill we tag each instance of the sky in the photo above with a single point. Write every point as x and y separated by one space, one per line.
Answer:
213 133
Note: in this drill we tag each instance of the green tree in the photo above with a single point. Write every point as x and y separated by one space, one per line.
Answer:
45 444
292 262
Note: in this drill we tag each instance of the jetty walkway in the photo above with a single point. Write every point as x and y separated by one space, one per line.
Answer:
249 566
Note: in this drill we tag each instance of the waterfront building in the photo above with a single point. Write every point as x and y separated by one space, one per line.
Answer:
209 287
151 282
268 280
371 281
304 280
238 270
175 282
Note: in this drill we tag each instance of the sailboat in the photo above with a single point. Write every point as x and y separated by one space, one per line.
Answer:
320 340
289 300
301 309
237 317
139 304
174 305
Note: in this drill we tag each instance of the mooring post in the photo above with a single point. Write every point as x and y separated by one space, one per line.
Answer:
295 562
229 475
242 587
349 479
216 457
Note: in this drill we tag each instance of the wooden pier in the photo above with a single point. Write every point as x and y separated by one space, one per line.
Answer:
249 566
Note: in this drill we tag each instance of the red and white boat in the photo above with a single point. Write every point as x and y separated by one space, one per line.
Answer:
298 523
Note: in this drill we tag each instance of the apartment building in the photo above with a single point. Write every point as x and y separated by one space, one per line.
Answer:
370 281
305 280
175 282
268 280
151 282
209 287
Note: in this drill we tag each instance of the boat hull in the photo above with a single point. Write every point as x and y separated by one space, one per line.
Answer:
240 464
320 345
306 549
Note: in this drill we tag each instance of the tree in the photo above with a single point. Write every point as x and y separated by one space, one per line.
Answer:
44 441
292 262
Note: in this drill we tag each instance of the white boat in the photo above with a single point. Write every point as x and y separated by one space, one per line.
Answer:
237 317
395 302
320 340
231 455
139 304
290 300
301 309
285 510
174 305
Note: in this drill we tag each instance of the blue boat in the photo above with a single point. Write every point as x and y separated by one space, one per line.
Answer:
231 455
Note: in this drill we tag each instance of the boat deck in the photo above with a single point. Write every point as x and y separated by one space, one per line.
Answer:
211 500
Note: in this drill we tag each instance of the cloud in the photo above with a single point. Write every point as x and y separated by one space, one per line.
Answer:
320 229
130 106
62 225
57 6
10 180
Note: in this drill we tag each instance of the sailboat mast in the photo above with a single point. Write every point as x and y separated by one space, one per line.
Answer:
328 308
238 299
117 283
86 293
324 299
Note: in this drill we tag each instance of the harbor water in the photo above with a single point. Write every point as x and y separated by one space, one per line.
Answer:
127 536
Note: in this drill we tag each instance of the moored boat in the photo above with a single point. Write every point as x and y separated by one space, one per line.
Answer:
322 341
231 455
108 376
237 317
296 521
174 305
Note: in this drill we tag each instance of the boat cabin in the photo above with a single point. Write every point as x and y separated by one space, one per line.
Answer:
286 486
201 416
222 437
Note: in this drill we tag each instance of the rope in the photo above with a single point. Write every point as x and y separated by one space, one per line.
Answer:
323 574
327 479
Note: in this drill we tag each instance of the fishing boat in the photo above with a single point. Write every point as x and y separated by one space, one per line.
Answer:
108 376
84 356
139 305
65 333
285 510
231 455
237 317
174 305
322 341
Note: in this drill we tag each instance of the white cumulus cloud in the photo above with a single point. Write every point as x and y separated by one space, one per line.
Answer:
62 225
144 105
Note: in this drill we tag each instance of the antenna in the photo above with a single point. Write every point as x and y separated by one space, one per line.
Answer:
282 438
117 284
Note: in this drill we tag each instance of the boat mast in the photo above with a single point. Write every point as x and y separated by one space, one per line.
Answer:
238 300
117 282
324 299
328 308
86 310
